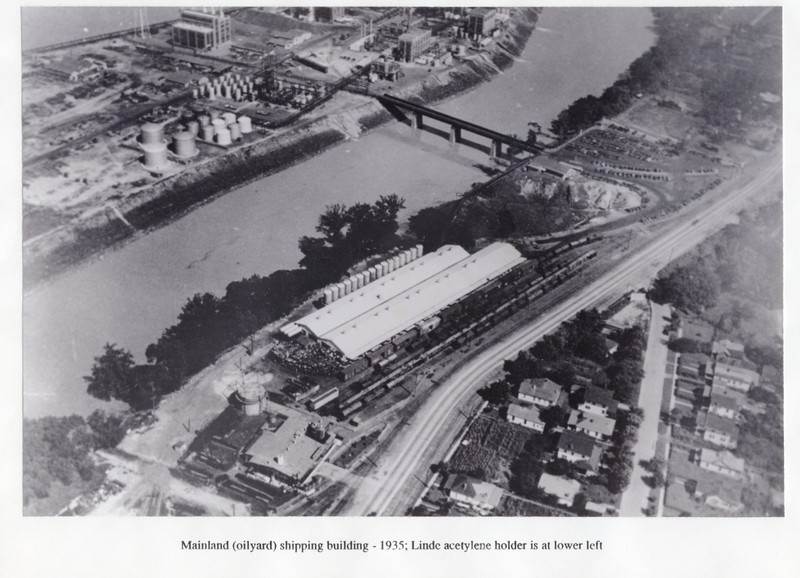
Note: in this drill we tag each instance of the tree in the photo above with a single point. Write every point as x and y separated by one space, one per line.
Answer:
107 428
112 374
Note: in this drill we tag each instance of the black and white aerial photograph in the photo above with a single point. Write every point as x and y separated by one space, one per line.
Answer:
402 262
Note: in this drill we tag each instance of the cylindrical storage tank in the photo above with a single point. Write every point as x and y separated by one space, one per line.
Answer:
184 144
155 155
186 116
229 117
193 127
342 291
364 278
236 132
372 273
204 119
237 94
396 261
214 115
227 92
335 292
208 133
414 255
419 251
382 268
245 124
195 93
152 133
403 258
409 256
328 296
218 125
358 280
389 266
223 136
348 286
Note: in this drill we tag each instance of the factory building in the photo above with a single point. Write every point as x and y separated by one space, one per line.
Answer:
414 43
481 22
405 296
76 69
201 29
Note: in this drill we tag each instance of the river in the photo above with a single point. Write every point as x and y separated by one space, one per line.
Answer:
129 296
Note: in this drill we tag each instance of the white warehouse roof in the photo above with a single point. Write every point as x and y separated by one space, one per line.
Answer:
368 317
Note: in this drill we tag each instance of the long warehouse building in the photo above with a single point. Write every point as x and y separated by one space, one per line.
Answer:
368 317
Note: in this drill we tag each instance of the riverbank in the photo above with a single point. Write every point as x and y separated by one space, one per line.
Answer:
172 198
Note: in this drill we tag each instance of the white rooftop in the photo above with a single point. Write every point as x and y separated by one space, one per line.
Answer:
395 302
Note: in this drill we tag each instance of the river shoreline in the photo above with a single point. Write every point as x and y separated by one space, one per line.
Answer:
167 201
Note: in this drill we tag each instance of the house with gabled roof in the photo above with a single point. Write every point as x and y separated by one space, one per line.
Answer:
738 374
724 463
471 493
596 426
562 488
542 391
597 401
526 416
579 448
720 431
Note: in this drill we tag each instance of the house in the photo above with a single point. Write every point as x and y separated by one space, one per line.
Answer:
473 494
76 69
719 430
723 404
526 416
611 345
596 426
562 488
738 374
728 348
541 391
724 463
597 401
578 448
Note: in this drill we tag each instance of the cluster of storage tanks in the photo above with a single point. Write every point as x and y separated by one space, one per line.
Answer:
223 128
357 281
231 86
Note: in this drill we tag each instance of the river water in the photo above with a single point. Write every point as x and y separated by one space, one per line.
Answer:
129 296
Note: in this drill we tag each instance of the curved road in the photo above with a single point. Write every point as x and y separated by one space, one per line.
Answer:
404 457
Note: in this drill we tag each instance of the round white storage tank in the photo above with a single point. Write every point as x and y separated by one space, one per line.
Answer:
228 117
184 144
223 136
334 292
396 261
214 114
328 296
218 125
342 291
348 286
208 133
155 156
403 258
152 133
236 132
193 127
204 119
419 251
245 124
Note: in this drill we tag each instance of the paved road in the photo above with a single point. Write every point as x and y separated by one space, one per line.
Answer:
405 456
634 500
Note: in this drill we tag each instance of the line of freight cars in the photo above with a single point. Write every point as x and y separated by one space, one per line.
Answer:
498 300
